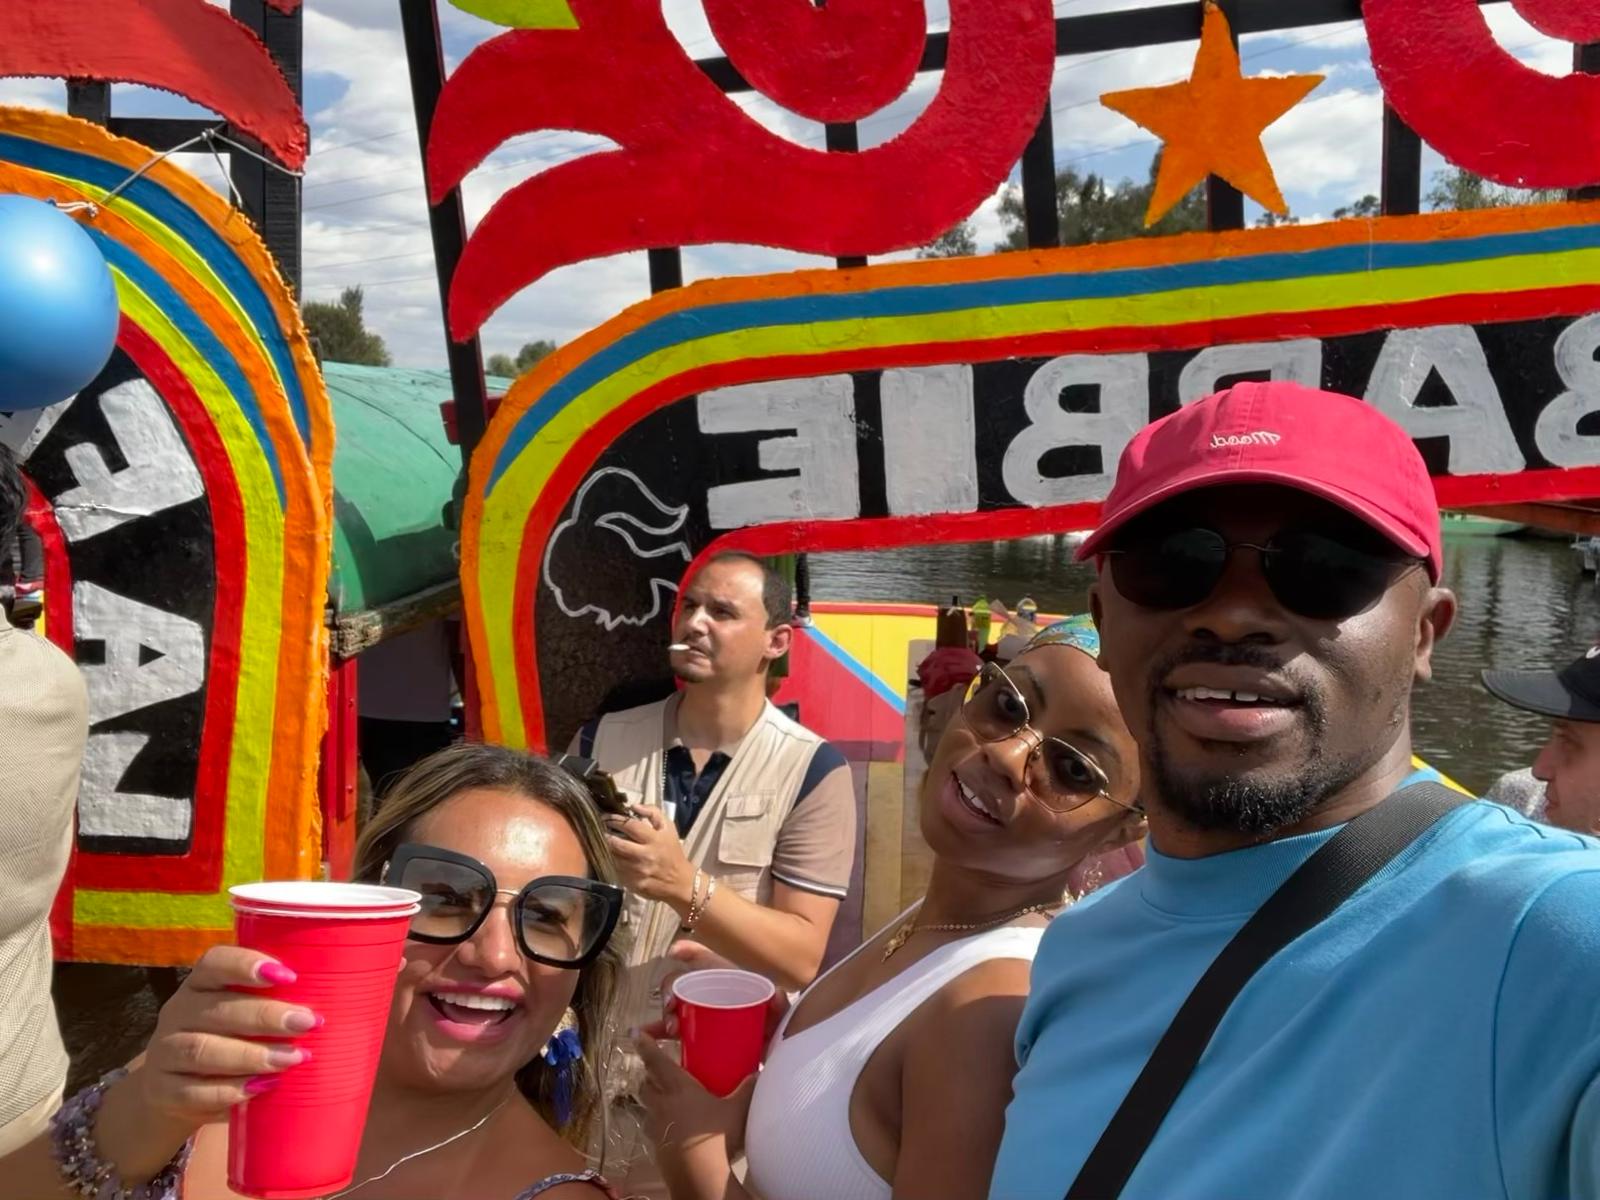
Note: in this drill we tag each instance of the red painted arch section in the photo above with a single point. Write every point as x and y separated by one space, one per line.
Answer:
200 870
58 629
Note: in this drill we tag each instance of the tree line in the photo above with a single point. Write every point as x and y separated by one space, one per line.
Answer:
1091 208
339 331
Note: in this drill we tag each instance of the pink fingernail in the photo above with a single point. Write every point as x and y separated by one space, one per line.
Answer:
275 973
262 1083
301 1021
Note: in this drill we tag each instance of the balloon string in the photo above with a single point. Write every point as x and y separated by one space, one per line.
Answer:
210 137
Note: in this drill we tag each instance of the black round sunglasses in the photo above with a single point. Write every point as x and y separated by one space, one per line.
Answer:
1312 574
559 920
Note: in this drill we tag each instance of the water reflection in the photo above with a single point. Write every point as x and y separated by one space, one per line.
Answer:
1524 603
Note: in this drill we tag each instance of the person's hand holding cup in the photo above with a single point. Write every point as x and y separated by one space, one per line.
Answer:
219 1040
685 956
722 1025
697 1135
341 945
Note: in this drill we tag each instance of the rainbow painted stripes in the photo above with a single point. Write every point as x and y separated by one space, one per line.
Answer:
210 324
1192 291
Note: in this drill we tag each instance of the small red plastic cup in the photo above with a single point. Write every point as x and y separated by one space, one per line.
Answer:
343 941
722 1025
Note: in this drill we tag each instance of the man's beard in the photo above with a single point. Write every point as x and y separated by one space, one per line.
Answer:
1258 806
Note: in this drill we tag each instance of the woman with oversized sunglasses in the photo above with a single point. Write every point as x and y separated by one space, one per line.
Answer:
489 1083
891 1074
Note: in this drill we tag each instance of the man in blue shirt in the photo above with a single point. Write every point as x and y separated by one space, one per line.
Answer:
1268 596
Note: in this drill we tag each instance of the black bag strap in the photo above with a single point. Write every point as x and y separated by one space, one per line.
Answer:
1324 881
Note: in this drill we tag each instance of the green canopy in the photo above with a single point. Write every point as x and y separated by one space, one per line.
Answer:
394 477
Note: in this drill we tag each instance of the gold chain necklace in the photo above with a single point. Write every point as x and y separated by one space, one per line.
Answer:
400 1162
904 934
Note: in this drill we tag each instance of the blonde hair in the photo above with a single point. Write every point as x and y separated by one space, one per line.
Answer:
463 766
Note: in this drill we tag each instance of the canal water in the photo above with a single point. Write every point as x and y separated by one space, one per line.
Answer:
1524 603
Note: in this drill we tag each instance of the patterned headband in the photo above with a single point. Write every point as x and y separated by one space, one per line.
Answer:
1078 632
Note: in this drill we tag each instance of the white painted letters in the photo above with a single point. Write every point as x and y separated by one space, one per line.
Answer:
122 683
930 452
103 811
1299 360
1556 433
1124 384
821 479
160 473
1481 441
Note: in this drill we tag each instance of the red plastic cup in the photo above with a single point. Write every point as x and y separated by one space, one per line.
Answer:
722 1025
343 941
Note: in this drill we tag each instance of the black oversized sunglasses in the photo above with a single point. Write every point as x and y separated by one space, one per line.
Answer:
560 920
1312 574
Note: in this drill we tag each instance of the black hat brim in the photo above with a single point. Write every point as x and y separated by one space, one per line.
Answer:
1540 692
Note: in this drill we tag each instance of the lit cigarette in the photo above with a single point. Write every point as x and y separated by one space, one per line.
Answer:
677 647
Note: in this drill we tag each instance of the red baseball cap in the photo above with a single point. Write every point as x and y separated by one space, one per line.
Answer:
1335 447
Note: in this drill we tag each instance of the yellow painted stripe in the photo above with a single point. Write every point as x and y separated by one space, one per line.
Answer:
283 650
527 474
525 477
880 642
522 14
152 910
505 508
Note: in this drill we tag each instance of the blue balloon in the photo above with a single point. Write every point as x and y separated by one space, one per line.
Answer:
58 305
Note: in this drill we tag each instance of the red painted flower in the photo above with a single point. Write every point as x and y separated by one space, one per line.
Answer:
692 167
1474 102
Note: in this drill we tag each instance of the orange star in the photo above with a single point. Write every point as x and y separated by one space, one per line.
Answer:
1212 124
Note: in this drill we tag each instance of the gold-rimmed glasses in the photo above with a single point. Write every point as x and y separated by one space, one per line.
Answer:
1059 775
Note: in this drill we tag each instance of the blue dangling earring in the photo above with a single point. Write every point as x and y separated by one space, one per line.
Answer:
560 1053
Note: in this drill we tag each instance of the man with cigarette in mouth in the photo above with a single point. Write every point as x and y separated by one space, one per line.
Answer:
744 835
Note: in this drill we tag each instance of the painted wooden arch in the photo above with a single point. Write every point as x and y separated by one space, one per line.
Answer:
987 398
188 495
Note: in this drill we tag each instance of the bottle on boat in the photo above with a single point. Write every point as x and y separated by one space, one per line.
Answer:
952 626
982 622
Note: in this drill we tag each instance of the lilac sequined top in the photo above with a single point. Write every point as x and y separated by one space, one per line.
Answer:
550 1181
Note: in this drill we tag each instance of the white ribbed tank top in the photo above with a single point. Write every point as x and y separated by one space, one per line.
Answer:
797 1137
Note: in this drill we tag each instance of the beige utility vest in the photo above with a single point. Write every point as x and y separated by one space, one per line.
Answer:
732 838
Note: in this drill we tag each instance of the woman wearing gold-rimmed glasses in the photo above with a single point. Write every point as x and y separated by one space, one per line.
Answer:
890 1075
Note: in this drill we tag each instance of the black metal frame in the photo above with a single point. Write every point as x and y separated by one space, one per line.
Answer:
419 21
270 198
1158 24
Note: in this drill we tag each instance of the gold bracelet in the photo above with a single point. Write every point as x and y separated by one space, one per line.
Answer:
693 915
698 910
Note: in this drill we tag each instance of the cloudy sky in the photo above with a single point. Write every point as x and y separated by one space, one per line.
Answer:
365 212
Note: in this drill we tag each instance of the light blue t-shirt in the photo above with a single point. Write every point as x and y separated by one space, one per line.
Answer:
1437 1037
